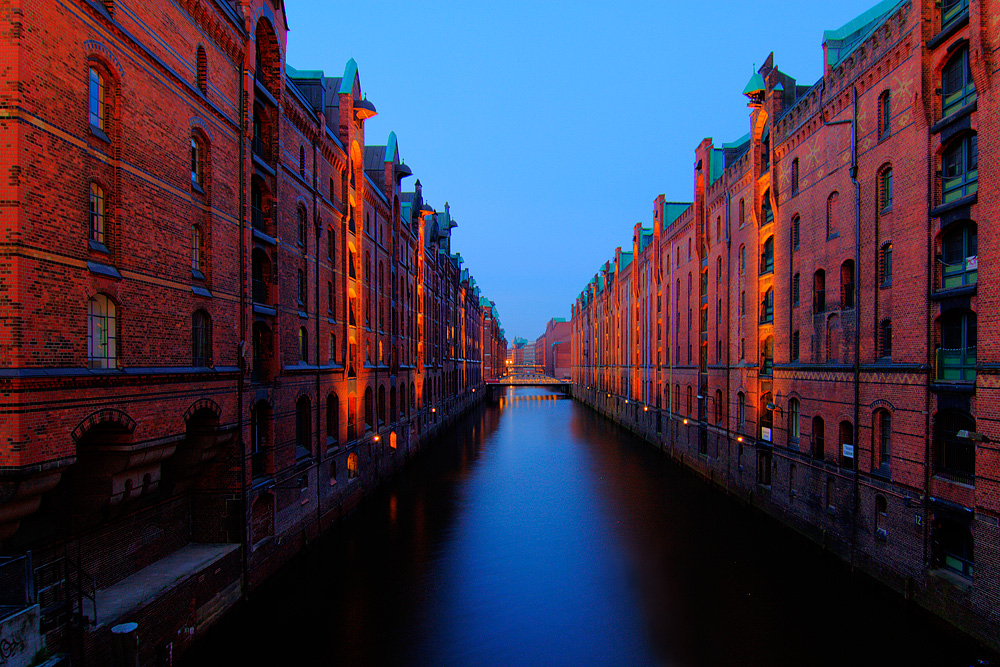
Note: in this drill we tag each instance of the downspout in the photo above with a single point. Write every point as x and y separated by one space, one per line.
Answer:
242 74
319 396
857 315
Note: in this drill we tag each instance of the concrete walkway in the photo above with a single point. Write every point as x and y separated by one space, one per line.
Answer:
131 593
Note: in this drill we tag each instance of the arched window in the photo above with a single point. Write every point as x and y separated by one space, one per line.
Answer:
796 232
96 213
766 213
381 406
352 465
369 410
794 415
847 456
767 356
956 358
741 412
957 87
303 428
767 256
742 260
303 345
795 177
885 265
743 213
885 189
767 417
202 71
819 291
832 214
98 102
102 332
767 307
960 168
881 437
960 255
847 284
201 339
884 115
196 254
197 163
885 339
260 437
332 419
818 438
262 346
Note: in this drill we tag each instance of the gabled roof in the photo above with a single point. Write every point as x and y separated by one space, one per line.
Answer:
350 74
841 42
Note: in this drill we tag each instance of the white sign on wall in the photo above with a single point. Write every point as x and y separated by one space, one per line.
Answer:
765 434
848 451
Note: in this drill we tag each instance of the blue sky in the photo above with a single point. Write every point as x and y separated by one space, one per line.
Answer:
551 126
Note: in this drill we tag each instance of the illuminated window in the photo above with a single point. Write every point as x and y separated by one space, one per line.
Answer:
352 465
102 333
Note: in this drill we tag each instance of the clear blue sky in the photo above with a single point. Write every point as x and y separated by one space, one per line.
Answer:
551 126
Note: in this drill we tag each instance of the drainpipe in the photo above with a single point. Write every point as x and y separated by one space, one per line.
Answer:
857 315
319 396
242 73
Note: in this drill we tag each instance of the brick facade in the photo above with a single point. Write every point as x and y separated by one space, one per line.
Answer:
811 332
222 320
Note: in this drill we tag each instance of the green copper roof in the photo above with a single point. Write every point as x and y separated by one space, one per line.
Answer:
303 73
350 72
390 148
755 84
626 259
739 142
841 42
718 164
672 211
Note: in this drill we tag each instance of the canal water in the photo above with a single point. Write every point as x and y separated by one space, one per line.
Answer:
540 533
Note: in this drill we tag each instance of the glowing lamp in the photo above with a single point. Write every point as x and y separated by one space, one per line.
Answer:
376 438
685 422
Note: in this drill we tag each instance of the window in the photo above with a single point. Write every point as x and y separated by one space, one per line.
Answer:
884 115
196 248
960 169
960 255
795 177
301 295
767 256
301 215
885 190
331 243
765 149
262 345
885 339
796 232
881 516
303 345
743 213
819 438
196 162
764 462
953 546
885 265
96 213
352 465
882 433
767 356
98 102
257 217
795 346
260 428
767 307
201 339
202 71
332 351
846 444
833 341
832 213
369 410
741 412
302 161
303 428
795 290
819 291
847 284
957 87
718 406
102 333
766 213
381 406
718 269
743 260
767 417
690 396
956 358
794 411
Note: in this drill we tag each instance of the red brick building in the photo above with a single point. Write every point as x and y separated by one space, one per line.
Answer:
811 332
222 321
552 349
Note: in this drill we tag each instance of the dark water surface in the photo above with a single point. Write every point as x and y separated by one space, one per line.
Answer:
541 534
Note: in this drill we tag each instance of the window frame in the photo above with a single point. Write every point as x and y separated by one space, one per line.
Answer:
102 321
965 180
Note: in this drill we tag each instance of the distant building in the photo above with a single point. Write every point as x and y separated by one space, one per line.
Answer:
553 349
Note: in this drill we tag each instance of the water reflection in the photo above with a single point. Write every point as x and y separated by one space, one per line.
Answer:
540 534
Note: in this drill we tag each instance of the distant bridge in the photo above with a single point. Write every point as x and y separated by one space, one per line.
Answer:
529 380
